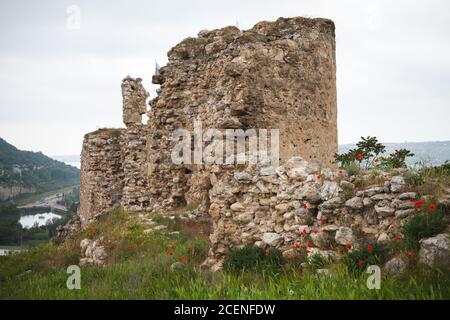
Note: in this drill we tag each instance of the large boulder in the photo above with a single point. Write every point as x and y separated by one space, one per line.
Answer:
329 190
398 184
344 236
435 251
395 266
272 239
355 203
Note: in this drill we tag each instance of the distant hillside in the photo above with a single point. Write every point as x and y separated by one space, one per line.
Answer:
434 153
73 160
28 172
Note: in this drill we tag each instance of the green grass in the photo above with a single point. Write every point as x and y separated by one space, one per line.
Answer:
139 268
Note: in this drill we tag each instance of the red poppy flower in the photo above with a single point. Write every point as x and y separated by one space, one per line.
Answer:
410 254
318 177
170 253
399 237
305 206
184 258
376 160
316 231
297 245
349 246
431 207
322 221
369 248
341 171
308 251
309 244
267 253
304 231
359 156
420 203
360 263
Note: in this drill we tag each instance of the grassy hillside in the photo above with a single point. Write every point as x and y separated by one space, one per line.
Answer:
33 170
141 266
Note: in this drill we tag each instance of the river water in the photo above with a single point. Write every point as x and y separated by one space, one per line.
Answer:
41 219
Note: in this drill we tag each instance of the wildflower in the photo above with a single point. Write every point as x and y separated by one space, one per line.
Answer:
369 248
359 156
340 251
305 206
267 253
420 203
308 251
170 253
316 231
410 254
297 245
376 160
322 221
431 207
318 177
309 244
304 232
341 171
399 237
183 258
349 246
360 263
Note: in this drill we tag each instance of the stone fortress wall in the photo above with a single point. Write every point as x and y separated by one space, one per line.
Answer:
277 75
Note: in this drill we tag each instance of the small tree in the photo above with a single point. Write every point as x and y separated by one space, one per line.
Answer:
368 150
397 159
368 155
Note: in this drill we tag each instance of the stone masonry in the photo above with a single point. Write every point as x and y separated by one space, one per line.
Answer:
277 75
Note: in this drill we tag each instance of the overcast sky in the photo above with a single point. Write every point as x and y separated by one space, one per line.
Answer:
58 83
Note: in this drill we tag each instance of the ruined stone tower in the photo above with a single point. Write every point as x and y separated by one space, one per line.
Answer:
277 75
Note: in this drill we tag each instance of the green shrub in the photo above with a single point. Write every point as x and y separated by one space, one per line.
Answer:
425 225
252 258
352 168
358 260
367 155
397 159
368 149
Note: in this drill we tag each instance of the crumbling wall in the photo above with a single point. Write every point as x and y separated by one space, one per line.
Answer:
278 75
101 174
134 144
300 206
113 161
